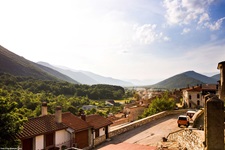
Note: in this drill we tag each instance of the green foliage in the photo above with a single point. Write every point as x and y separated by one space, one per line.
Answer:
100 91
11 120
136 96
21 98
29 93
160 104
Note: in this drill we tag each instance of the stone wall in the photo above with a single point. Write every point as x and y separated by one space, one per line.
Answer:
143 121
119 122
196 116
188 138
99 140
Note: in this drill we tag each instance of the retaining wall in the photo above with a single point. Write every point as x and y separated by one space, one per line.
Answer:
143 121
196 116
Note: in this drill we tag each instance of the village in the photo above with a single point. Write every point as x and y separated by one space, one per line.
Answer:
64 130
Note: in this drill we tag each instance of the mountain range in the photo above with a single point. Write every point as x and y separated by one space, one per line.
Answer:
189 78
16 65
86 77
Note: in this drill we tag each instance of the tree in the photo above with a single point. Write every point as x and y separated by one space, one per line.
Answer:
136 96
11 123
160 104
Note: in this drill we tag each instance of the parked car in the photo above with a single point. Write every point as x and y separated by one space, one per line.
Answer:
183 120
190 113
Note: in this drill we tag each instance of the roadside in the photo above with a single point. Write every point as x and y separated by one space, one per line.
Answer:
149 134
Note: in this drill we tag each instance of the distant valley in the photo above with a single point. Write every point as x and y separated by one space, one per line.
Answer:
16 65
85 77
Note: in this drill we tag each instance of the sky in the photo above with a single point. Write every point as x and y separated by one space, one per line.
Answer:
124 39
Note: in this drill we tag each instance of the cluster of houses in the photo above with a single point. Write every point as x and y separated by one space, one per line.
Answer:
63 130
193 97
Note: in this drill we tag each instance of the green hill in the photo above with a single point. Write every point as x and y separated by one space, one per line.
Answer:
16 65
189 78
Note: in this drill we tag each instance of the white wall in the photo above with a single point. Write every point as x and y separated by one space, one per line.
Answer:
39 142
101 131
62 137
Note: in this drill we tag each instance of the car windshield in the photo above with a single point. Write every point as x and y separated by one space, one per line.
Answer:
182 118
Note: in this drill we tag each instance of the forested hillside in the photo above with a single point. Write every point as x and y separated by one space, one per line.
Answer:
29 93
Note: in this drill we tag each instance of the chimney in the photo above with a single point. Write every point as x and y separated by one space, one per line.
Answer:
44 109
83 117
58 114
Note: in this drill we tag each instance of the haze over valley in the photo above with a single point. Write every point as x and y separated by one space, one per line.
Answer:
135 42
19 66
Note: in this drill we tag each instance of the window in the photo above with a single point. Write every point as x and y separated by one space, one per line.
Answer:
198 102
49 139
198 95
96 132
189 96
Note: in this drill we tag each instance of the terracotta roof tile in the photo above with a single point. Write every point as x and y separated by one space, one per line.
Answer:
98 121
195 89
209 87
74 122
40 125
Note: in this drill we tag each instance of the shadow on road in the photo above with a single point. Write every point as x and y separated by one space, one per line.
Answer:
129 134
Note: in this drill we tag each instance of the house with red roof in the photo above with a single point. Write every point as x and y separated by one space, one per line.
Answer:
80 130
100 127
193 97
53 132
44 132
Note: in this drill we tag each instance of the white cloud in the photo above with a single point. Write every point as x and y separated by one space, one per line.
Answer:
204 17
216 25
148 34
183 12
185 31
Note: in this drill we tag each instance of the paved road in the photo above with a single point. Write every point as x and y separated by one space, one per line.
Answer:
148 134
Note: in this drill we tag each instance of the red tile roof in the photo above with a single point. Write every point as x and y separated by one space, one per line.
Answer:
194 89
209 87
74 122
98 121
40 125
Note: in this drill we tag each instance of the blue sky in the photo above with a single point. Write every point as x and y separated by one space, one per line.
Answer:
124 39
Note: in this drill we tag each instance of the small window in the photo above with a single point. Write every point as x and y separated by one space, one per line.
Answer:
49 139
96 133
198 95
189 96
